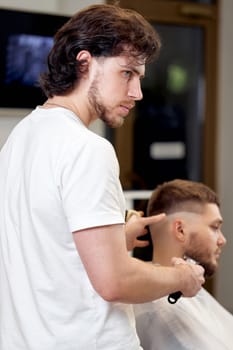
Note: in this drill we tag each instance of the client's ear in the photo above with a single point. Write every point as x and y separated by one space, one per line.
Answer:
179 230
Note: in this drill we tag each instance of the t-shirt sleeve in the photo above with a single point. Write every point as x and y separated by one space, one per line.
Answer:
91 192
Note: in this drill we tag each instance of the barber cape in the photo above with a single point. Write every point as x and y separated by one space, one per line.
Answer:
198 323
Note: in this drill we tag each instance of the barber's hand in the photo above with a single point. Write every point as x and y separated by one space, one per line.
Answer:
136 227
192 277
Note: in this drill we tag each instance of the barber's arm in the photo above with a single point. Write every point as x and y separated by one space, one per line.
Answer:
116 276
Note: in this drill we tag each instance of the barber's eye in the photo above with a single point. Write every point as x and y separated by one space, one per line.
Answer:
128 74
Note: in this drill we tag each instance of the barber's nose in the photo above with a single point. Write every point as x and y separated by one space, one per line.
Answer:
135 91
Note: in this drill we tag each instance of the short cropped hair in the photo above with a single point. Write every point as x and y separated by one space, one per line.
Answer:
105 31
180 195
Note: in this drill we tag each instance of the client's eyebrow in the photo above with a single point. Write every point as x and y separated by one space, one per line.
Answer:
218 221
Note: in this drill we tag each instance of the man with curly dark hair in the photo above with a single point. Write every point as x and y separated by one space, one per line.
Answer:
67 279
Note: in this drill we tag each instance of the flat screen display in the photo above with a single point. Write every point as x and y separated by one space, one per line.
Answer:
25 41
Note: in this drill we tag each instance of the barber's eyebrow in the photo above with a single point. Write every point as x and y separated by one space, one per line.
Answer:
134 69
137 72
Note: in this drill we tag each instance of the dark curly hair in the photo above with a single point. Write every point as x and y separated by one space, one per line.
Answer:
103 30
178 195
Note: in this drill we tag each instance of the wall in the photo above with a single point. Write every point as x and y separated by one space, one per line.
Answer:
63 7
224 290
8 118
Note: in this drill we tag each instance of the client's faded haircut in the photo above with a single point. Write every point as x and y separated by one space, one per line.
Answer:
180 195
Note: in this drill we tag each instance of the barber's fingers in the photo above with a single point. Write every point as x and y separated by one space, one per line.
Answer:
192 276
141 244
136 226
177 261
132 214
150 220
136 214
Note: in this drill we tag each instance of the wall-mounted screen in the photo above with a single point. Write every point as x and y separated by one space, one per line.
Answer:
25 41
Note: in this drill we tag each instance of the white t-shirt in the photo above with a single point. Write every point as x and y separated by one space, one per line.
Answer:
56 177
198 323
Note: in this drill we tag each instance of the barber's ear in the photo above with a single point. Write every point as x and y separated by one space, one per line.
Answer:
84 58
179 230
